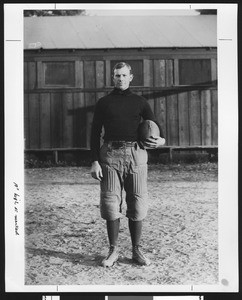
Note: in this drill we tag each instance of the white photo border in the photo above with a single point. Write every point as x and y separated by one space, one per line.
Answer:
228 150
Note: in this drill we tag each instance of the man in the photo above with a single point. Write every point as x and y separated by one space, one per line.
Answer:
121 163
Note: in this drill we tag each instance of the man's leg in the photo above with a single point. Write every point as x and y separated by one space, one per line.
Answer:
137 202
138 257
135 228
111 202
113 230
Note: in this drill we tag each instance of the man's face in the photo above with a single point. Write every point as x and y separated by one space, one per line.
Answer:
122 78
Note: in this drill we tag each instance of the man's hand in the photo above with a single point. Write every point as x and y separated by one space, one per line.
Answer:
154 142
96 171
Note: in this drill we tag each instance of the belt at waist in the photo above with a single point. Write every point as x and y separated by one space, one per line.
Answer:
120 144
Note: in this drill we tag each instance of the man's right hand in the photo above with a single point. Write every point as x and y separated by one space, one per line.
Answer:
96 171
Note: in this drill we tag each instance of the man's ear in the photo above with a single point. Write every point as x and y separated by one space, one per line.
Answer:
131 77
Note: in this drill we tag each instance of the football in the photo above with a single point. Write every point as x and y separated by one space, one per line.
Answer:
146 129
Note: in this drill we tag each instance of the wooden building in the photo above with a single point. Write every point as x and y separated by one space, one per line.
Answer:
68 66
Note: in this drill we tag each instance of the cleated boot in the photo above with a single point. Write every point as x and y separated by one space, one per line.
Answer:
111 258
139 258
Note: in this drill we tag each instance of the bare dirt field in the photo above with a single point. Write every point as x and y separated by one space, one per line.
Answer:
66 238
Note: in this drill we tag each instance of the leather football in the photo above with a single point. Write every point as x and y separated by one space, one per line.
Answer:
146 129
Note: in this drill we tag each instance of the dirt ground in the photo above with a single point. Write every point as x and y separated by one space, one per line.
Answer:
66 238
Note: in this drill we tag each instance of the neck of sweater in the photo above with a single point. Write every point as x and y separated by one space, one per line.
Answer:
117 91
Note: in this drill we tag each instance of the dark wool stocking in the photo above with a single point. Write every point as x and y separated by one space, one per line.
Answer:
113 230
135 228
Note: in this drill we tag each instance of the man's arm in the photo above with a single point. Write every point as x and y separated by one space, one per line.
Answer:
96 170
155 141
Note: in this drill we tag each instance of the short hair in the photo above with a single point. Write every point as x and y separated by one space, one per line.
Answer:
121 65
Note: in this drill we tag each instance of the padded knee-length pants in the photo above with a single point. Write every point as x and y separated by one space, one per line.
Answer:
124 168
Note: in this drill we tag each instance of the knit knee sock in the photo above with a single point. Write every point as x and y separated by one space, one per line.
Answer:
135 228
113 230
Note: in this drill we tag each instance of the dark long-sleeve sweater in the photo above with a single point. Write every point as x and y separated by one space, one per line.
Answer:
120 113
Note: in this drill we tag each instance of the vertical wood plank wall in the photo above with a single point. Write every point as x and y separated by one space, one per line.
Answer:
55 119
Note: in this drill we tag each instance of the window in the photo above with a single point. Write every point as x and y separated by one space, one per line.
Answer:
137 69
59 74
194 71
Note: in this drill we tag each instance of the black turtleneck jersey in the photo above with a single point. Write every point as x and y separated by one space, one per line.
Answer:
120 113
